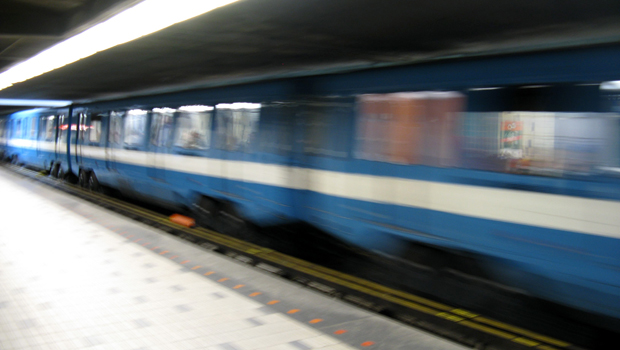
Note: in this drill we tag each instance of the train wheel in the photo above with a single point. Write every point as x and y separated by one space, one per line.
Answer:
206 212
54 170
93 183
61 174
83 179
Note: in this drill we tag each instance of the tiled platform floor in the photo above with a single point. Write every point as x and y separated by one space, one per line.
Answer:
74 276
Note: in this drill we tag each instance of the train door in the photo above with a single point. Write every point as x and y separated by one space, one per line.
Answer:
131 161
114 144
326 137
266 161
41 154
218 164
236 130
389 145
60 142
82 127
30 142
157 150
47 140
187 162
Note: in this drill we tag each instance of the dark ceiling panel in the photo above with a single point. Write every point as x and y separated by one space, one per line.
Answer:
20 18
31 26
268 37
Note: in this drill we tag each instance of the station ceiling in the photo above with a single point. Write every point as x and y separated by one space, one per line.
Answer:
269 38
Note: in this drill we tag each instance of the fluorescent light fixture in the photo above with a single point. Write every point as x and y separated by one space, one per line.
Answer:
611 85
33 103
145 18
195 108
164 110
238 105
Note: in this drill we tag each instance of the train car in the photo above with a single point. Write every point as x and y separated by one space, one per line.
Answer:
38 138
513 160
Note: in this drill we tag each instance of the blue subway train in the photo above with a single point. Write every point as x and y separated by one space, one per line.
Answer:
513 159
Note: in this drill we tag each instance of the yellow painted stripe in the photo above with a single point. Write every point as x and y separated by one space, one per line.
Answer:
522 331
449 316
464 313
545 347
488 330
526 342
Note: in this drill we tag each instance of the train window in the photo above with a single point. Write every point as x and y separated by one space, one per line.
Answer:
540 143
276 129
116 129
50 132
135 127
236 125
161 126
193 127
17 129
22 124
409 128
42 123
32 128
94 129
326 128
82 127
43 128
62 135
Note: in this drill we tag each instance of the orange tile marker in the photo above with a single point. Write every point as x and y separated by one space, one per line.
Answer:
182 220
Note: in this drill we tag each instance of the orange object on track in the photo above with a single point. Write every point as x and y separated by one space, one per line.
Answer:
182 220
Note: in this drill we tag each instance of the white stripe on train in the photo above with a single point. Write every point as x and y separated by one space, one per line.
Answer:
567 213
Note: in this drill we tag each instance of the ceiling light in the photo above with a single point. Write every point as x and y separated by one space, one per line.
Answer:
611 85
33 103
145 18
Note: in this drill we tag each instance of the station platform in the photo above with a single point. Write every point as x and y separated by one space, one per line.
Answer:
76 276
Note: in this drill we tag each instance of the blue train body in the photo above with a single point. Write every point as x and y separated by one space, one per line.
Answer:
514 159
